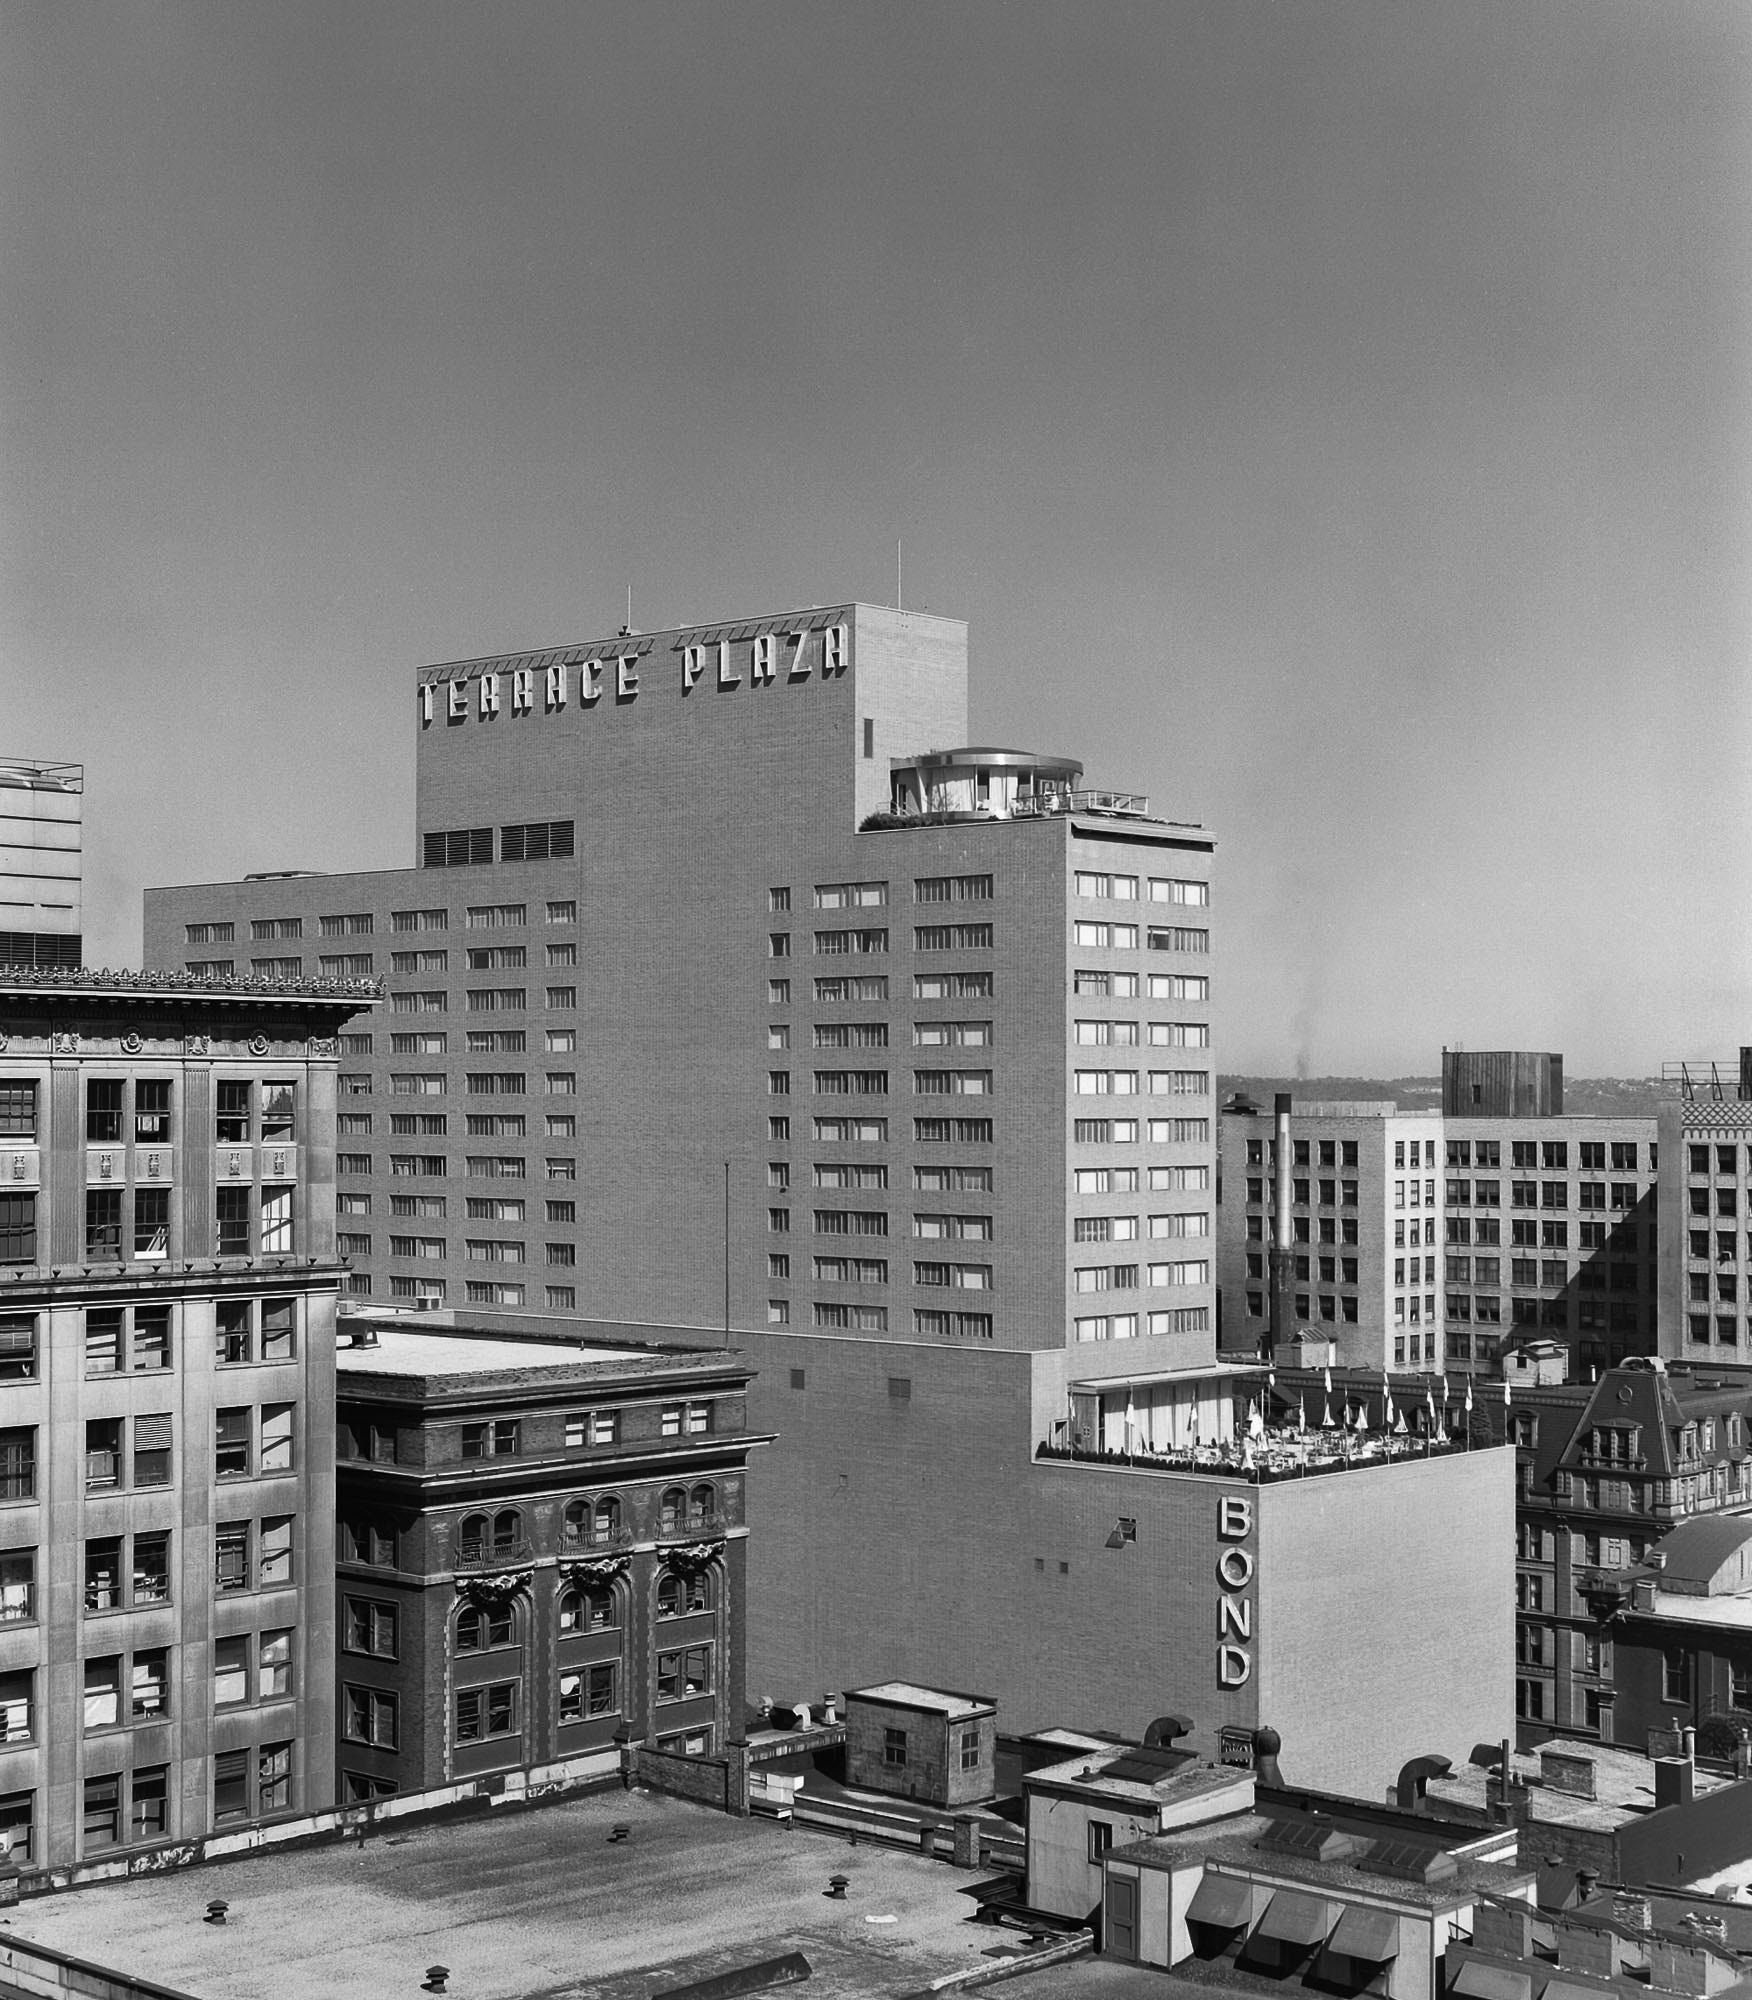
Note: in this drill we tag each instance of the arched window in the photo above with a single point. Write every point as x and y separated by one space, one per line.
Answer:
471 1538
507 1532
606 1523
577 1522
480 1626
682 1591
702 1507
599 1607
672 1510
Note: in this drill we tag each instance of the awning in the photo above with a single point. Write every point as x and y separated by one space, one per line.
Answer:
1367 1934
1293 1919
1479 1981
1223 1901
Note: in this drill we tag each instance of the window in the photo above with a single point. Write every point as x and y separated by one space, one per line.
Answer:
231 1556
231 1785
103 1111
894 1749
103 1692
17 1228
103 1573
276 1437
101 1820
370 1715
274 1778
486 1712
370 1627
17 1586
977 937
484 1628
231 1221
149 1685
680 1593
103 1225
18 1115
151 1575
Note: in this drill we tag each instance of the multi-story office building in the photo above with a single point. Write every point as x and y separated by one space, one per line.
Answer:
167 1291
728 993
648 946
1365 1191
1705 1275
1552 1230
1487 1223
41 862
542 1553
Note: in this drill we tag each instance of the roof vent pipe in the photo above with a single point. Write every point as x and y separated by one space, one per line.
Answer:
1165 1729
1266 1745
1414 1778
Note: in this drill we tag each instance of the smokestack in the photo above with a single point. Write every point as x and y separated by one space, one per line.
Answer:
1282 1258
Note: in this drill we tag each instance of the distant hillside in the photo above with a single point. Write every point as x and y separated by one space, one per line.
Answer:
1583 1096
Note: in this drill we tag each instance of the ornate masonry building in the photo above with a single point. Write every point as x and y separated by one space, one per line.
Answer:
167 1293
542 1554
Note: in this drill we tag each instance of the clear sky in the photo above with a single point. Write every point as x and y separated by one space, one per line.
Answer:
1332 419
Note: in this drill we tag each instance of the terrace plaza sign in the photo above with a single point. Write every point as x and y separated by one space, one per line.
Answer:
752 659
1235 1566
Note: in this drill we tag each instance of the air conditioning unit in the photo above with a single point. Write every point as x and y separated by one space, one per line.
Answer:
427 1304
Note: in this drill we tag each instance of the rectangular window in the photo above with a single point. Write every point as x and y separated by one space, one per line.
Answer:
148 1802
485 1712
231 1778
17 1586
231 1556
964 937
103 1225
953 889
18 1232
151 1569
101 1820
231 1221
370 1715
684 1673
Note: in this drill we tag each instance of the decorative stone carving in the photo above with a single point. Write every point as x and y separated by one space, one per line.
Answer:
197 1045
322 1045
258 1045
496 1588
131 1042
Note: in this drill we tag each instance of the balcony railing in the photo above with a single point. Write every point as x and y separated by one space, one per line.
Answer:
492 1555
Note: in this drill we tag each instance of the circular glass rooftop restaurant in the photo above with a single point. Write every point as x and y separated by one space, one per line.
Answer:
943 786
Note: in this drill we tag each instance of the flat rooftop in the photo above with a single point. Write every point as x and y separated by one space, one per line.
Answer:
532 1905
1624 1785
434 1354
934 1701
